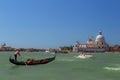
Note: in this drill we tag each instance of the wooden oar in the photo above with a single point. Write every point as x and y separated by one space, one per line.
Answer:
24 61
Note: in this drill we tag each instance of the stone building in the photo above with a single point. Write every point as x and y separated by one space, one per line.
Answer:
97 45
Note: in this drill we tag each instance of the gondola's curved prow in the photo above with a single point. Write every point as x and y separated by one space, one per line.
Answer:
35 62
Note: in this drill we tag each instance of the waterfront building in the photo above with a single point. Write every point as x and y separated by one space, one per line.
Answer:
97 45
4 47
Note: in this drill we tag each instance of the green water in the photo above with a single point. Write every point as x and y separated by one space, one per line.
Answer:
66 67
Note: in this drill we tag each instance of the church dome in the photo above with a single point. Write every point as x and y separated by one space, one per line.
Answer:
100 37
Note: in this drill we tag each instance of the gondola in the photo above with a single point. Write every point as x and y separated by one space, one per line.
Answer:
34 62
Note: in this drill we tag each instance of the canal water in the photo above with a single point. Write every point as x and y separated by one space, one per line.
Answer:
101 66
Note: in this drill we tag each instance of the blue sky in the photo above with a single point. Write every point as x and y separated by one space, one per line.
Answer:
54 23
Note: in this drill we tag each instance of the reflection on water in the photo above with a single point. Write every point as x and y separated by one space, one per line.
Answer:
14 67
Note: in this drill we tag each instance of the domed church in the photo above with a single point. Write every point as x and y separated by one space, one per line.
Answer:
97 45
100 41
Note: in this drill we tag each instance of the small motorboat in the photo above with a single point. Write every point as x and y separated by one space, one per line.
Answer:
84 56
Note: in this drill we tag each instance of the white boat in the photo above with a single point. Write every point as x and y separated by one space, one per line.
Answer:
47 51
84 56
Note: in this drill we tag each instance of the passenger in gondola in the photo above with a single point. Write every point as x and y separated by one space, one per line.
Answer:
43 60
30 60
17 52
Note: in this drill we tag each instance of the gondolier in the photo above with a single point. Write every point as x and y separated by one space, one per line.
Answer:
17 52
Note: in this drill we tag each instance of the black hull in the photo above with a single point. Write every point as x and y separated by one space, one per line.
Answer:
35 62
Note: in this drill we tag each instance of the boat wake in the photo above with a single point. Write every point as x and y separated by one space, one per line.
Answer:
112 68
